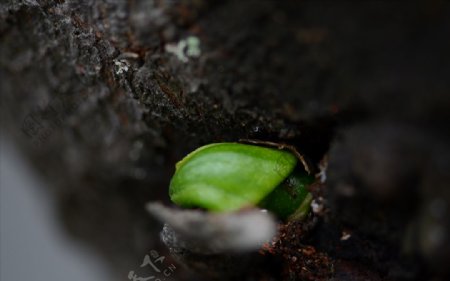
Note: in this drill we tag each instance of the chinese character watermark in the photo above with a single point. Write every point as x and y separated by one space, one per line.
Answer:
160 269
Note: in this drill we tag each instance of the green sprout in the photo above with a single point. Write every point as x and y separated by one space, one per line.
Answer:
223 177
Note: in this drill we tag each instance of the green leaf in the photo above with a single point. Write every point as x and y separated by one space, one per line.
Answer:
229 176
289 195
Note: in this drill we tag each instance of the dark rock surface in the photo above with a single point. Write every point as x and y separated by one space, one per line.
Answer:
91 95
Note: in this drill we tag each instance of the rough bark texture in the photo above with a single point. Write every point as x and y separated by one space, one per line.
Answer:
91 94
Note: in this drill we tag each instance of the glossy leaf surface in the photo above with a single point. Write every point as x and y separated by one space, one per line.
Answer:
229 176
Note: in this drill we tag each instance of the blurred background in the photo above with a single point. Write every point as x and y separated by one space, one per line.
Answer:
33 245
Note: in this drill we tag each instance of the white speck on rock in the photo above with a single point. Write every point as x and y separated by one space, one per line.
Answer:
345 236
121 66
316 207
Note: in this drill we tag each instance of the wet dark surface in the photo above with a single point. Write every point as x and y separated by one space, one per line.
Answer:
91 96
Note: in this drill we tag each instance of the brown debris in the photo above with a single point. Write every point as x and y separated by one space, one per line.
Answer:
300 261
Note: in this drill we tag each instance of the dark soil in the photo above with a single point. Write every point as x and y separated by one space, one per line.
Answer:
92 98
